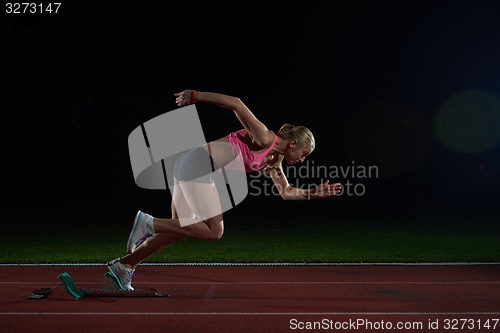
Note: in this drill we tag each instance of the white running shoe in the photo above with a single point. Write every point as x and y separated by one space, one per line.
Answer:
121 275
142 230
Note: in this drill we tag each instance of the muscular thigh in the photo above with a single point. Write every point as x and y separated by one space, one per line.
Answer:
203 200
180 207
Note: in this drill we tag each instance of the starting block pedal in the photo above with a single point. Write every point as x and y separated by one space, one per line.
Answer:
40 293
76 293
69 286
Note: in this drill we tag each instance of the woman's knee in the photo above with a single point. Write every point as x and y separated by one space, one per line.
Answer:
215 235
216 226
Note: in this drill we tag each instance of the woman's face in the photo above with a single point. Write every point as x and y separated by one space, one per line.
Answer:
295 154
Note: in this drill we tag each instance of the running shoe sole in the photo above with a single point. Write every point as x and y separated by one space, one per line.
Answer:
115 278
134 229
112 278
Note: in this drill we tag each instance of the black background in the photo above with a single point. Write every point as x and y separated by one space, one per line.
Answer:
77 83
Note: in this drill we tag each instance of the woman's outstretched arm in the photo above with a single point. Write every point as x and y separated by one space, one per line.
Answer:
191 96
261 135
288 192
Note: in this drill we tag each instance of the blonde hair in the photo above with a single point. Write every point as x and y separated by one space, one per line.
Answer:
303 136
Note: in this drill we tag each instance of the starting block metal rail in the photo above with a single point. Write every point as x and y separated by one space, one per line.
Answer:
76 293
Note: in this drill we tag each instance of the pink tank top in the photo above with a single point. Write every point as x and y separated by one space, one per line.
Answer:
252 161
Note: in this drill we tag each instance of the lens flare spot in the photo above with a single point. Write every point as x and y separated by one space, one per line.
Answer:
469 122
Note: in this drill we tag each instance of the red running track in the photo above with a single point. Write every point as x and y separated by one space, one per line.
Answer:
260 299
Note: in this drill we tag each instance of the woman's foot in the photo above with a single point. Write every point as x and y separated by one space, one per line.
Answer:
142 230
121 275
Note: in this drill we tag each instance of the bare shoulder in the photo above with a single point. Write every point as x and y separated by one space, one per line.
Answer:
269 139
264 140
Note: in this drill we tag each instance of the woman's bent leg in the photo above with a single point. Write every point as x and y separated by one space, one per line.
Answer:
198 207
203 201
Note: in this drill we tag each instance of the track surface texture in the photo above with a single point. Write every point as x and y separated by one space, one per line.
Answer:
259 299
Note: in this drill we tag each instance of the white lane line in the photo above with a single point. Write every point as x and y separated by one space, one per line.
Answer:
324 282
248 313
279 264
277 282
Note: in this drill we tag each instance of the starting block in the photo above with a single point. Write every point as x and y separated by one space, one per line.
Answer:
76 293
